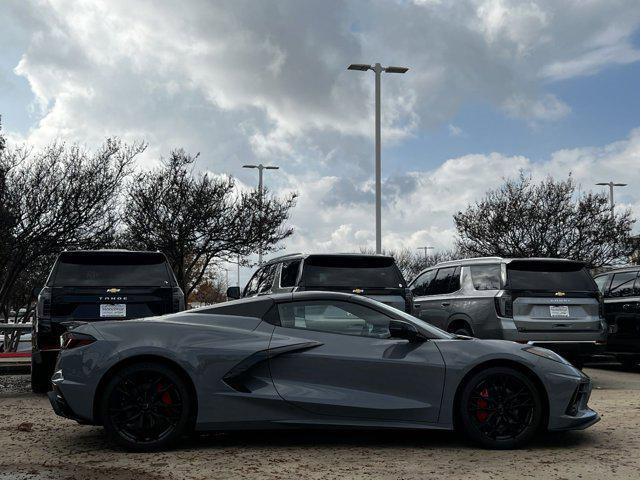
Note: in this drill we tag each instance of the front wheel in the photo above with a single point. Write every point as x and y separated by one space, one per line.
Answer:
146 407
500 408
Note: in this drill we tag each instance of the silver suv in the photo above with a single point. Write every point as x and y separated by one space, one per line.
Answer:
552 302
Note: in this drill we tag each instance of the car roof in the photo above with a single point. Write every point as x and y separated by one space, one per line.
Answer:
111 251
296 256
492 260
626 268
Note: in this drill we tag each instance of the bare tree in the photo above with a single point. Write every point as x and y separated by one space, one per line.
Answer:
197 219
59 198
547 219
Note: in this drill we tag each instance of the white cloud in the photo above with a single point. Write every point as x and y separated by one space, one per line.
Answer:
421 211
244 81
545 108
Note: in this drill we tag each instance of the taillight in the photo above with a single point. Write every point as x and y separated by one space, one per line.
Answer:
408 300
178 299
44 303
73 340
601 305
504 304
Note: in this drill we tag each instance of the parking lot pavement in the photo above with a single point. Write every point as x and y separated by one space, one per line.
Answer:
37 445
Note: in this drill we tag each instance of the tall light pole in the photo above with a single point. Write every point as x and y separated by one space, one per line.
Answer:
611 185
260 168
378 69
425 250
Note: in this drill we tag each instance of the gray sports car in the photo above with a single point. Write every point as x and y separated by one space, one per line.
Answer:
309 359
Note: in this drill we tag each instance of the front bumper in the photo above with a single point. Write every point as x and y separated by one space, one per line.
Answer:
568 402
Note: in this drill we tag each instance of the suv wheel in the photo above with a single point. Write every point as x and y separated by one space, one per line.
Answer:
461 329
500 408
41 373
146 406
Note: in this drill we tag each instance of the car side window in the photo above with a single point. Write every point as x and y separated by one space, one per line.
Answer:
338 317
485 277
622 284
252 286
454 284
266 279
601 282
421 284
289 273
440 284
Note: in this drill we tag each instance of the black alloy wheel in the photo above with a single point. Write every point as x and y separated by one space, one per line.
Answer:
145 407
501 408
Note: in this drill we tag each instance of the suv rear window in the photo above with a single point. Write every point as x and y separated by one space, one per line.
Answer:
549 276
346 271
113 268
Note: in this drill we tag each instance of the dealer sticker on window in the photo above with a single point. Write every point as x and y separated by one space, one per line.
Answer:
113 310
559 310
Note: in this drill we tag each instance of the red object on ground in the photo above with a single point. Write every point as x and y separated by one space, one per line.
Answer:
15 354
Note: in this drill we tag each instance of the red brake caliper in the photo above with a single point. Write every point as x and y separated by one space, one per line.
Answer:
166 398
481 413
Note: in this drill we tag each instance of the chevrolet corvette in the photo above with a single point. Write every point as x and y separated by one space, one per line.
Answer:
309 359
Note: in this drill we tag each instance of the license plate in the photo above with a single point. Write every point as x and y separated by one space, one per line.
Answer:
113 310
559 310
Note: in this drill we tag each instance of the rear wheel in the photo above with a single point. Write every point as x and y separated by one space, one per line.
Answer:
500 408
145 407
461 329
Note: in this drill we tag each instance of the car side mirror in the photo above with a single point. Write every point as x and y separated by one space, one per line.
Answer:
404 330
35 292
233 293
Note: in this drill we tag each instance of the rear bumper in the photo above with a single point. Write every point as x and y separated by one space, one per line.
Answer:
61 407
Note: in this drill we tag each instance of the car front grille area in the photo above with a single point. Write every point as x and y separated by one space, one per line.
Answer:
579 399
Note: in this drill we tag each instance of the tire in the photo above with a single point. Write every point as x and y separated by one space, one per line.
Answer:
487 419
41 373
461 329
629 362
146 407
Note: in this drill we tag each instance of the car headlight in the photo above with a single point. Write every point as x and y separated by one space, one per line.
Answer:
545 353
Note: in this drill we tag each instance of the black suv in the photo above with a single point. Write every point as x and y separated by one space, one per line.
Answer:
621 290
98 285
374 276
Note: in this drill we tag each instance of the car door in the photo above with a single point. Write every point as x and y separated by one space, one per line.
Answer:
622 300
435 305
420 291
345 364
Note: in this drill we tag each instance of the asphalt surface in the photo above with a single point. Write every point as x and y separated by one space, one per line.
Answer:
37 445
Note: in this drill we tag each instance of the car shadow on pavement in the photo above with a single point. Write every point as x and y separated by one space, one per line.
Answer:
379 439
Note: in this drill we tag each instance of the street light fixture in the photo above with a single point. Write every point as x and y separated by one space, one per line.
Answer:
377 69
611 185
260 168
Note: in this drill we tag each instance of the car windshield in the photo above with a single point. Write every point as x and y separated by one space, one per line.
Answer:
351 272
549 276
113 268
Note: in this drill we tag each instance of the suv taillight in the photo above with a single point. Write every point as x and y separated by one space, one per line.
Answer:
44 303
504 304
177 299
73 340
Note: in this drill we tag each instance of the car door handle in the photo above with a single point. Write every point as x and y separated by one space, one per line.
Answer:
416 305
445 304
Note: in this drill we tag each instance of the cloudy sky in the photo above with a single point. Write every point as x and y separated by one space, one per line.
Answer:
494 86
